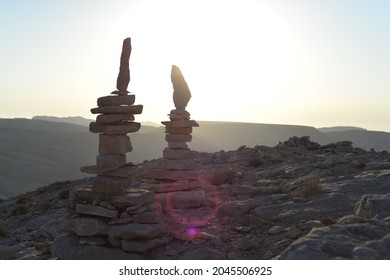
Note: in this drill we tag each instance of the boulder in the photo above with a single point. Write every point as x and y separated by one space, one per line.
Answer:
110 162
175 164
96 211
176 154
114 144
182 199
114 118
132 109
116 100
371 205
124 128
178 130
178 138
109 185
67 247
369 240
141 245
181 123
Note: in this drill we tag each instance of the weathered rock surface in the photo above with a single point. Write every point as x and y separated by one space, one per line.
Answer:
132 109
67 246
110 129
293 201
110 162
114 144
114 118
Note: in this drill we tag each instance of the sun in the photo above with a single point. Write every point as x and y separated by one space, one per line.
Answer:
232 53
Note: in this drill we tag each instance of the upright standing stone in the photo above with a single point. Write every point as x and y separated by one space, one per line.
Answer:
124 70
181 92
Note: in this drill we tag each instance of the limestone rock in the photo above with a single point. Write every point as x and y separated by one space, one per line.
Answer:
179 175
204 253
293 232
181 92
178 130
124 69
181 123
177 115
133 109
371 205
134 231
177 145
96 211
176 154
67 247
92 241
147 218
8 252
178 138
114 118
173 187
378 165
127 197
87 226
124 128
275 230
109 185
110 162
191 164
141 246
173 164
133 196
182 199
116 100
125 171
114 144
368 240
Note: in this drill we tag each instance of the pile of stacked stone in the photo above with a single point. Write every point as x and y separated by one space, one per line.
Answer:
110 211
176 178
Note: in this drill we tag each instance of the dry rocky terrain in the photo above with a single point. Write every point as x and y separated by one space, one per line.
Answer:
297 200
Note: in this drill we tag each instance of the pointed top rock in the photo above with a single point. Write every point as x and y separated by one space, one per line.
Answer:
124 70
181 92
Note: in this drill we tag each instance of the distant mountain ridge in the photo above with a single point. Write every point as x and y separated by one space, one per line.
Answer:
39 151
340 128
74 120
80 120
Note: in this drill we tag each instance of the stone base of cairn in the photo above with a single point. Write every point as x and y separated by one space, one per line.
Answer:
176 179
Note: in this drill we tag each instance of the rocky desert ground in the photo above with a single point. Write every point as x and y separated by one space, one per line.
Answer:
296 200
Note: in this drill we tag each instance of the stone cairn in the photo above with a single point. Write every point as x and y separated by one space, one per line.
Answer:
110 211
176 179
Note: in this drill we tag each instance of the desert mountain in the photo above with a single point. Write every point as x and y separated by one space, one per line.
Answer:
74 120
339 128
39 151
377 140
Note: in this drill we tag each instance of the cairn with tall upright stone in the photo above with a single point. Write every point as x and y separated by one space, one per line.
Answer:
110 216
114 122
176 179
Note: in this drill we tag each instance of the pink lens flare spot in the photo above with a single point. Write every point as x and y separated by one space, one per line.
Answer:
192 231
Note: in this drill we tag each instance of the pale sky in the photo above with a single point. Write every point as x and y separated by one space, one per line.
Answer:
307 62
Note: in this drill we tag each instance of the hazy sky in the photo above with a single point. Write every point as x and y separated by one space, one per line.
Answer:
319 63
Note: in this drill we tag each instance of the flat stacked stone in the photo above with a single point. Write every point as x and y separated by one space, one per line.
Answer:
110 209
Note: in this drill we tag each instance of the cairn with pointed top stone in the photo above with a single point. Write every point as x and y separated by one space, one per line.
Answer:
110 211
176 178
